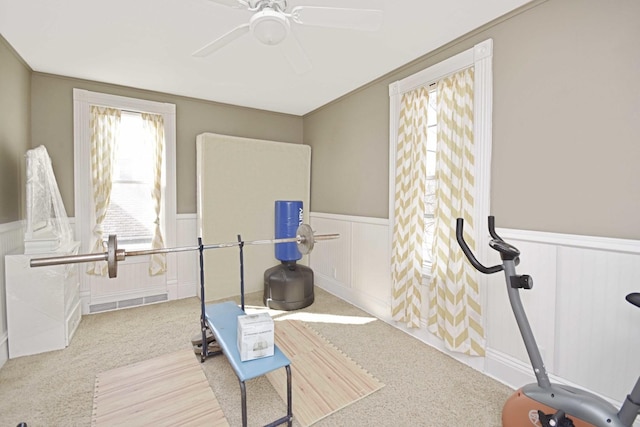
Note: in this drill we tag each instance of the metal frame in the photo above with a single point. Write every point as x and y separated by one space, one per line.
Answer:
288 418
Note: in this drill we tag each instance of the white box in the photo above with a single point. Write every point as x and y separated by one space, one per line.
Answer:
43 303
255 336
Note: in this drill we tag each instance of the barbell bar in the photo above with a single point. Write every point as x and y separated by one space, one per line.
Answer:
305 240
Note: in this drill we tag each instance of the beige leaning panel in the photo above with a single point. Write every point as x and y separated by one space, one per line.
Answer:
238 182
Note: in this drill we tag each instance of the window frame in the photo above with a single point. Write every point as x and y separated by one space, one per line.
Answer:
480 57
84 211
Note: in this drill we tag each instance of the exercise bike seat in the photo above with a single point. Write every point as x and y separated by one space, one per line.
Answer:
634 298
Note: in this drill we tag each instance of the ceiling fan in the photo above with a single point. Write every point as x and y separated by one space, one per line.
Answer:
271 24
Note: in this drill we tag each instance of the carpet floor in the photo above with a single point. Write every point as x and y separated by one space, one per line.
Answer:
422 386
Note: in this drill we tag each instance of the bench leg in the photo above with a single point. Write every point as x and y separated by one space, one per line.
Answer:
289 406
288 418
243 393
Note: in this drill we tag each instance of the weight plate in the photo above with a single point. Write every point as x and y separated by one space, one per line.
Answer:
305 239
112 261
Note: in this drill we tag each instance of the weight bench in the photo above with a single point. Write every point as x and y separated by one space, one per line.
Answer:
222 321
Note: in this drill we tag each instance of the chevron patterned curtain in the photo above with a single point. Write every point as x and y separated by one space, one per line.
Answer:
153 125
410 187
454 297
104 125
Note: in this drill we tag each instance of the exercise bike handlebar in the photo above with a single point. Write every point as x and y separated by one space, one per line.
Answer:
467 251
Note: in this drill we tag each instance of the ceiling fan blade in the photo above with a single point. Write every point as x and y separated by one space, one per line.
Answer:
222 41
295 54
231 3
356 19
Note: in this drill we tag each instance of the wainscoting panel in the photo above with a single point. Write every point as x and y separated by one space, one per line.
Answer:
592 285
587 333
332 259
11 241
355 267
187 262
539 261
586 330
114 293
371 260
132 283
180 280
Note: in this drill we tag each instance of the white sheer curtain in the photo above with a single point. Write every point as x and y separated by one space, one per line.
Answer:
455 313
104 124
410 187
153 125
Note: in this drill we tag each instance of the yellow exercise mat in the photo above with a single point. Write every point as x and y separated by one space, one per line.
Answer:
169 390
324 380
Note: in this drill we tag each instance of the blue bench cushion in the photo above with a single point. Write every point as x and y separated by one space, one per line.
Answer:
222 318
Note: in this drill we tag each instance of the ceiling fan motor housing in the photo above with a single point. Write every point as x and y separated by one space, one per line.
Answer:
269 26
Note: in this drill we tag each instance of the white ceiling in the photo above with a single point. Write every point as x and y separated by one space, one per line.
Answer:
148 44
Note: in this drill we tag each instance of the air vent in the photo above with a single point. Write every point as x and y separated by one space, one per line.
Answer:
127 303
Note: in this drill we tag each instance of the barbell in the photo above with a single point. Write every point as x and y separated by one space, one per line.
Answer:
305 240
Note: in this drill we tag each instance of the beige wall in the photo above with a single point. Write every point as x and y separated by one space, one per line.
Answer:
52 125
14 131
566 124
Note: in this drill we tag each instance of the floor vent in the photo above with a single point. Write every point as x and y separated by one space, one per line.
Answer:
127 303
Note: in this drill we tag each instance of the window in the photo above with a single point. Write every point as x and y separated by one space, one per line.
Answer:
130 214
480 57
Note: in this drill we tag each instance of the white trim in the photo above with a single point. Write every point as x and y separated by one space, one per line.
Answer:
182 217
433 73
572 240
349 218
480 57
123 102
483 131
82 100
10 226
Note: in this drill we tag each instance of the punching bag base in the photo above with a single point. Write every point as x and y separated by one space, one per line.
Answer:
288 286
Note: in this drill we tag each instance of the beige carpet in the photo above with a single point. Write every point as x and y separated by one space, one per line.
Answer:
422 386
169 390
172 389
324 379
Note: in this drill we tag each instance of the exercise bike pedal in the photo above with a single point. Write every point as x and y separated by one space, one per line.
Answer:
559 419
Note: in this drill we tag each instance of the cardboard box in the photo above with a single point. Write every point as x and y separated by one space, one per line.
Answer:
255 336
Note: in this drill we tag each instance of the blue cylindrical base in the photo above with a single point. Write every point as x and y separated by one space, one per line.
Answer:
288 217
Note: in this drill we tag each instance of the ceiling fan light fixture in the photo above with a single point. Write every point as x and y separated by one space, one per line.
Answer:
269 26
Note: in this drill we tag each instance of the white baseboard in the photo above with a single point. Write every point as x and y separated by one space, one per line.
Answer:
506 369
515 374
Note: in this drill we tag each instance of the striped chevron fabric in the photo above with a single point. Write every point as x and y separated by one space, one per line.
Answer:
410 187
104 125
153 125
455 313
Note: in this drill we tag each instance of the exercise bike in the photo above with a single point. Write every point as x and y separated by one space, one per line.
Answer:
544 404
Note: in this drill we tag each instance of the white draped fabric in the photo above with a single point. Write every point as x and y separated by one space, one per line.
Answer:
410 187
454 298
104 125
153 125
